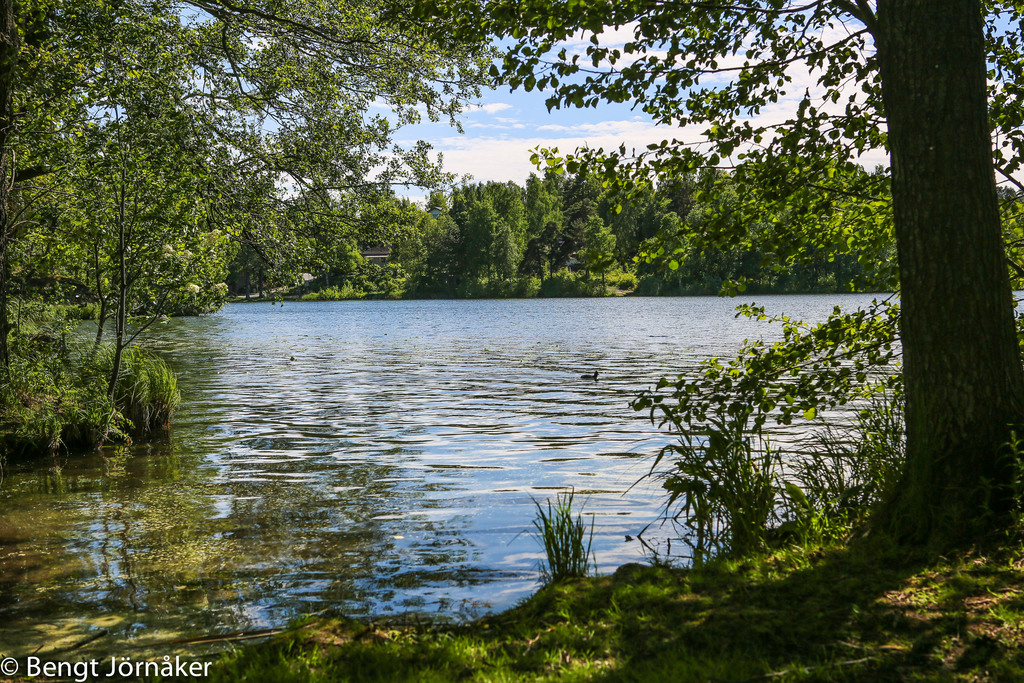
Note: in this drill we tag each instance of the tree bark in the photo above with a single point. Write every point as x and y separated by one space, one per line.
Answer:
962 366
121 313
10 45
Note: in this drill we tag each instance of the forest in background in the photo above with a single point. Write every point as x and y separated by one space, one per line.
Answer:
563 235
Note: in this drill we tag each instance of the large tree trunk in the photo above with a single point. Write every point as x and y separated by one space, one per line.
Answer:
962 366
10 44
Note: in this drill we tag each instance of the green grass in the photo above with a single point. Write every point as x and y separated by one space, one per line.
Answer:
55 395
565 539
146 392
862 613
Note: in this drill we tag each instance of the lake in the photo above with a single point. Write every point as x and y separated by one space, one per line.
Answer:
376 457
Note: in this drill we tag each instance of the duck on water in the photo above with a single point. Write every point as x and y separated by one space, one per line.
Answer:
593 376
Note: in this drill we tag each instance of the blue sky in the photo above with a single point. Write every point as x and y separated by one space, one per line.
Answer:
503 128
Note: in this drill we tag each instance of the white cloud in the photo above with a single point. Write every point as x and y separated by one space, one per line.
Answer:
504 158
489 108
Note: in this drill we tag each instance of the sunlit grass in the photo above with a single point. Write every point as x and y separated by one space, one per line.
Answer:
825 614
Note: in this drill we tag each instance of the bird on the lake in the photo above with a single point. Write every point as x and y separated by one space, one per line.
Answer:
593 376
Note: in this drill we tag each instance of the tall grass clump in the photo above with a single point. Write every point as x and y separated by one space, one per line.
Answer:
723 485
565 539
848 471
146 392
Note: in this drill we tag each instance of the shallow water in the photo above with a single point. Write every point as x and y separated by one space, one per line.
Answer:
376 457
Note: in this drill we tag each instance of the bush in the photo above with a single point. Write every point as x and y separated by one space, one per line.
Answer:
622 280
568 284
44 403
485 288
346 292
726 485
55 394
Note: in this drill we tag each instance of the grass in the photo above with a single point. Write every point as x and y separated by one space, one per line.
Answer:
55 395
146 392
846 613
565 539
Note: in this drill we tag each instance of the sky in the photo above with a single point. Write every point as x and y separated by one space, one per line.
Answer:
504 127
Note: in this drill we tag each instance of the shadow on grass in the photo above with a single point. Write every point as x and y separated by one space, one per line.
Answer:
861 613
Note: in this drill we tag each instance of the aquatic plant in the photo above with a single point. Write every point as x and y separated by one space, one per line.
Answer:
565 539
146 392
722 487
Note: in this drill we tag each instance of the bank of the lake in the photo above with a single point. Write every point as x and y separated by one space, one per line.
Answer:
864 612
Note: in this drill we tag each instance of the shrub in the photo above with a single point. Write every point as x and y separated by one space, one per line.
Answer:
55 394
47 399
723 487
346 292
565 540
726 485
624 280
568 284
485 288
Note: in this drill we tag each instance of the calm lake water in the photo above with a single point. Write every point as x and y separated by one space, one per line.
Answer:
376 457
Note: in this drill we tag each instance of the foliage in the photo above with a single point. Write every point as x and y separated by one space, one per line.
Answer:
812 368
47 401
335 294
520 287
804 166
495 234
564 538
722 485
56 394
834 485
623 280
144 141
725 481
568 284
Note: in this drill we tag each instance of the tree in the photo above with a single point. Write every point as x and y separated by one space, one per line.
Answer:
906 77
599 246
282 93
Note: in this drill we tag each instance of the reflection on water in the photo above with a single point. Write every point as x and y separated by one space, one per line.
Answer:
374 457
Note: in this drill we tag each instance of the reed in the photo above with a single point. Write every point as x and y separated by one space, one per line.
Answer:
147 391
566 539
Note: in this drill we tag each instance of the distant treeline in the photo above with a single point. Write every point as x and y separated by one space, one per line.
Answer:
561 235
